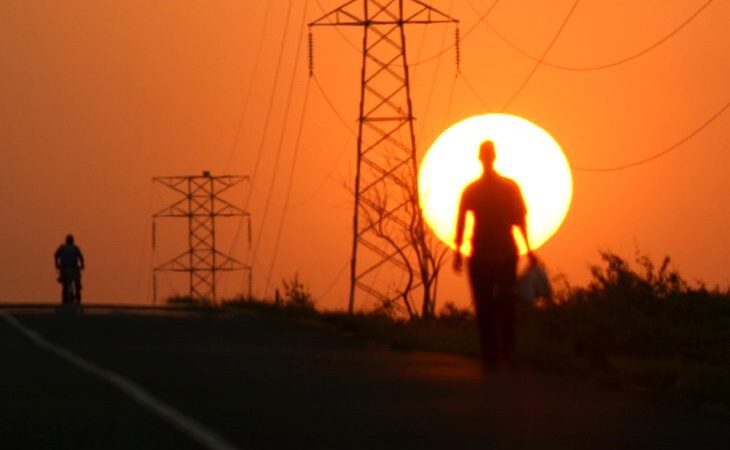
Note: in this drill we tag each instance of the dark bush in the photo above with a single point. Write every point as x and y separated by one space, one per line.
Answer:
645 312
297 295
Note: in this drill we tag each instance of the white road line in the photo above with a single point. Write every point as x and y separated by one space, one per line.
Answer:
178 420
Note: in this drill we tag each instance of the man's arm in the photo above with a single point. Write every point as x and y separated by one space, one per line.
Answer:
522 224
55 258
459 238
81 258
523 229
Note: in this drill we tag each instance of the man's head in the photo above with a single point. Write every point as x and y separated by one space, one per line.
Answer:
487 154
69 239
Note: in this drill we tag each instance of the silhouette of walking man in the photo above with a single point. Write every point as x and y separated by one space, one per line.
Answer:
69 262
497 205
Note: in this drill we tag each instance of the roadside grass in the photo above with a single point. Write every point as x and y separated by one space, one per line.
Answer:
634 325
271 308
187 301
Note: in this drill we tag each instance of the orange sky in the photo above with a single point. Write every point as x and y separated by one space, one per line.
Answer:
96 98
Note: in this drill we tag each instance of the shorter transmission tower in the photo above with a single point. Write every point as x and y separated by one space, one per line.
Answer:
201 204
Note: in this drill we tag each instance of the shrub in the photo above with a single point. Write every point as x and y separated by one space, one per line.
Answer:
451 312
296 294
644 312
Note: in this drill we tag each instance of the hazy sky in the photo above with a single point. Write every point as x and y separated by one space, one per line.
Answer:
97 97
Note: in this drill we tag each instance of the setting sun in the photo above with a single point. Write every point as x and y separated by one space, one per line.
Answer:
525 153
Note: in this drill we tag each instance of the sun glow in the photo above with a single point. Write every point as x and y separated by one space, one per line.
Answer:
525 153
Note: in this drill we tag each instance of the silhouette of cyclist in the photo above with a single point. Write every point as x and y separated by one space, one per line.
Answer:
497 205
69 262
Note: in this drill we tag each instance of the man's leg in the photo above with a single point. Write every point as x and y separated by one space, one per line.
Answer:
506 318
506 300
482 287
488 329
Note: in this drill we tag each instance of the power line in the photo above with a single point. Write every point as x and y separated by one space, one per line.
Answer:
270 106
342 35
290 183
280 144
266 120
327 178
434 78
412 70
340 117
333 107
622 166
658 154
474 92
249 86
463 36
447 110
335 280
597 66
542 58
313 193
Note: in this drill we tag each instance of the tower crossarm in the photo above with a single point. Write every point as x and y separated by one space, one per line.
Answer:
351 13
179 263
179 183
224 182
226 263
178 209
345 14
424 14
225 208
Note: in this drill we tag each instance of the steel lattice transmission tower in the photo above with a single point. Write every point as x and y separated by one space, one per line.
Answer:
386 192
201 203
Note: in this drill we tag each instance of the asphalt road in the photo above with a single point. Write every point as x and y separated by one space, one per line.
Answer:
272 383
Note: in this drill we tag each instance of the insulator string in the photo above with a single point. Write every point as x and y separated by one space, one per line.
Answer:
311 54
458 50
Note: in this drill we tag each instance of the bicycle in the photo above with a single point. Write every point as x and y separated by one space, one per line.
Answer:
69 299
69 293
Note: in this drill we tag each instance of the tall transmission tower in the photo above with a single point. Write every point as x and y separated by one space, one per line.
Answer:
386 193
199 200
